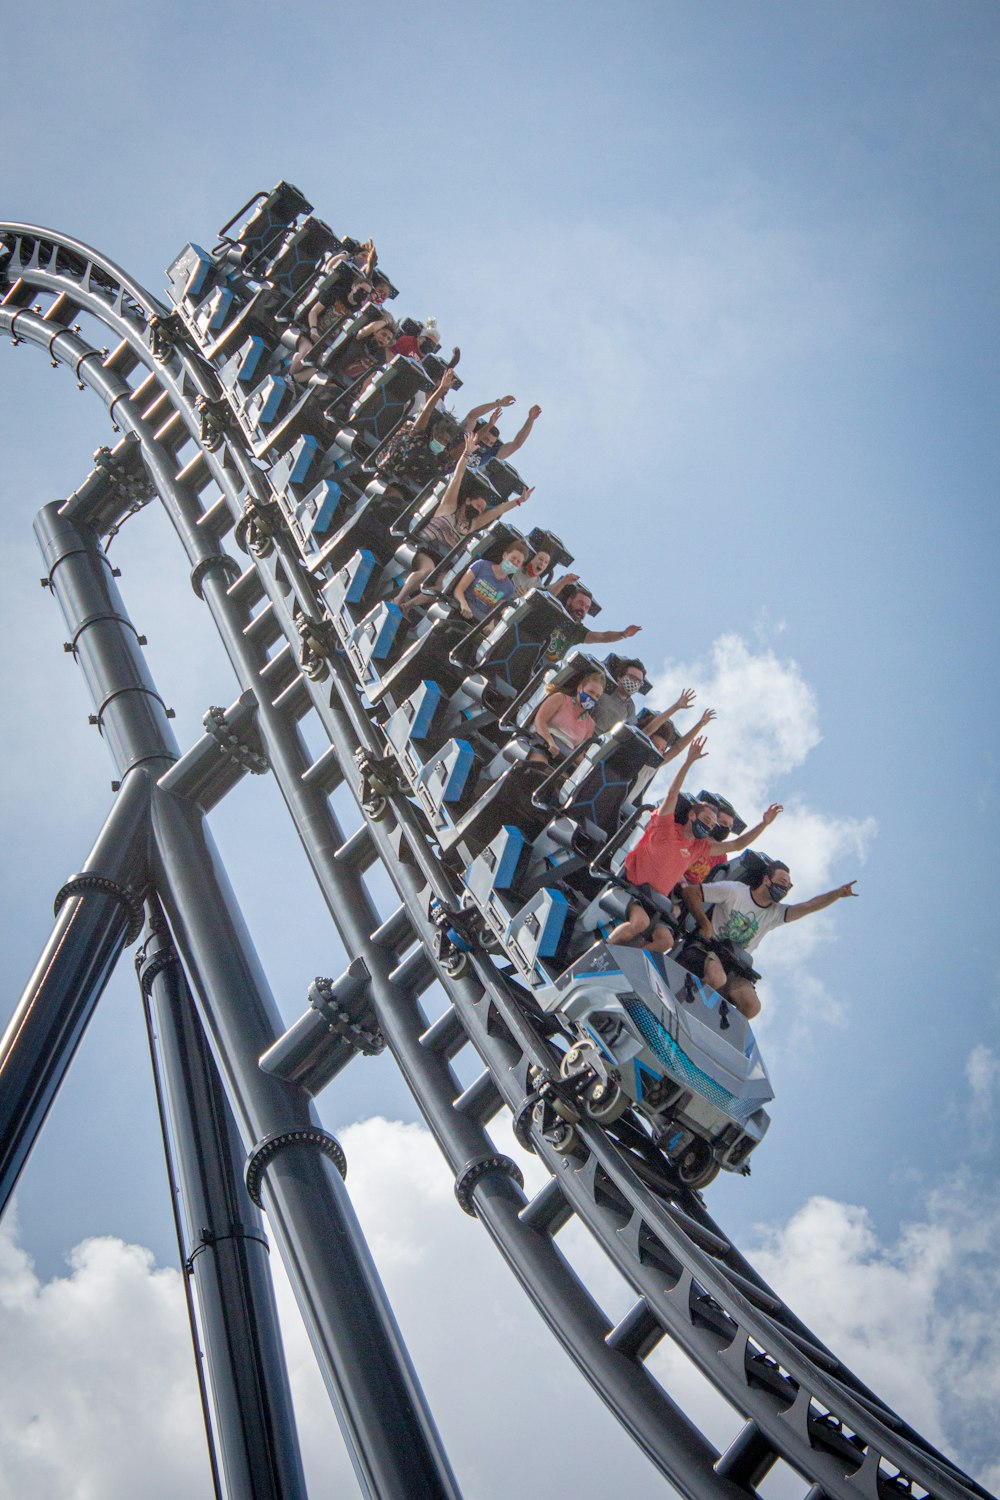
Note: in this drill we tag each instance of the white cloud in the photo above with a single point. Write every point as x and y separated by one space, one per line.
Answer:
97 1395
87 1408
913 1318
767 724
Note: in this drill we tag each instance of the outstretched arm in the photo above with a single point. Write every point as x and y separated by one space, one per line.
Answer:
609 637
806 908
696 751
472 417
444 384
448 503
685 739
656 723
746 839
496 511
506 449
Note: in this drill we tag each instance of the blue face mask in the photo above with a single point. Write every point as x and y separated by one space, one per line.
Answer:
701 830
435 446
586 700
509 567
778 892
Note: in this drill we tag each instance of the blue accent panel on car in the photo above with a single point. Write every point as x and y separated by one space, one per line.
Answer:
326 499
459 773
387 632
555 921
424 716
513 848
302 455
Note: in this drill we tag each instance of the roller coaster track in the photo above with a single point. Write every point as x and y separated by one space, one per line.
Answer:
793 1398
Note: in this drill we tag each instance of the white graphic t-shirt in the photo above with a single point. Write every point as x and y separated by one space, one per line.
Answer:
736 915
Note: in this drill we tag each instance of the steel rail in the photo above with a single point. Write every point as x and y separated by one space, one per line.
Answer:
737 1330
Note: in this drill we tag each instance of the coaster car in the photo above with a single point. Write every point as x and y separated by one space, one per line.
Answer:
659 1040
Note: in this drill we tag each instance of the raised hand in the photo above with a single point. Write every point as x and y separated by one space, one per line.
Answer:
706 717
846 890
506 400
534 413
469 442
448 379
696 749
686 699
525 495
630 631
772 812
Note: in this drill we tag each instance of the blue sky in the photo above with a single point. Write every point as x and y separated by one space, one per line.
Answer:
743 256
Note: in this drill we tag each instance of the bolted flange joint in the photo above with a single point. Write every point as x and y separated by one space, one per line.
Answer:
148 969
366 1039
475 1170
250 756
101 885
272 1145
203 567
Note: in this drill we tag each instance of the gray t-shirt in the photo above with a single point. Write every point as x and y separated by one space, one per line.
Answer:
611 710
736 915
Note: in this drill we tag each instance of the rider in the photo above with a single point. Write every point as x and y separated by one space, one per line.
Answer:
741 915
666 850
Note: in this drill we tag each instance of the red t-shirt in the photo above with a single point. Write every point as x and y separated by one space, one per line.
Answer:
696 873
407 344
663 853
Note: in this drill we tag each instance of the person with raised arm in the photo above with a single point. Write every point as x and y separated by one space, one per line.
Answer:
576 600
741 916
489 443
452 521
666 850
425 448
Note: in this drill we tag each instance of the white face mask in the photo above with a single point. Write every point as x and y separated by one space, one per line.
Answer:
435 446
630 685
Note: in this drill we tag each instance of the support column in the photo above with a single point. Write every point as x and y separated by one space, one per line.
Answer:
97 913
223 1245
390 1434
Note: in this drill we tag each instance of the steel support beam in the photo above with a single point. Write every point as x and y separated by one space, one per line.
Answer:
224 1251
390 1434
97 912
396 1449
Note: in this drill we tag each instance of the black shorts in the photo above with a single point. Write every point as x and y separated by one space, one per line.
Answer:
694 955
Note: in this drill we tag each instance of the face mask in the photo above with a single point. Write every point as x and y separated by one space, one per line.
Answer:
469 511
435 446
701 830
586 700
630 685
777 892
509 567
719 833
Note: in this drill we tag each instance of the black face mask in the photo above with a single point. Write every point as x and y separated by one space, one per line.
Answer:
469 511
701 830
719 833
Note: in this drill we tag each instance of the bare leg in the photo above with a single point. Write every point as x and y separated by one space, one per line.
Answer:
741 993
635 926
422 567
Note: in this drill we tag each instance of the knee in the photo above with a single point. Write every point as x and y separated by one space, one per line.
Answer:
744 997
662 939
